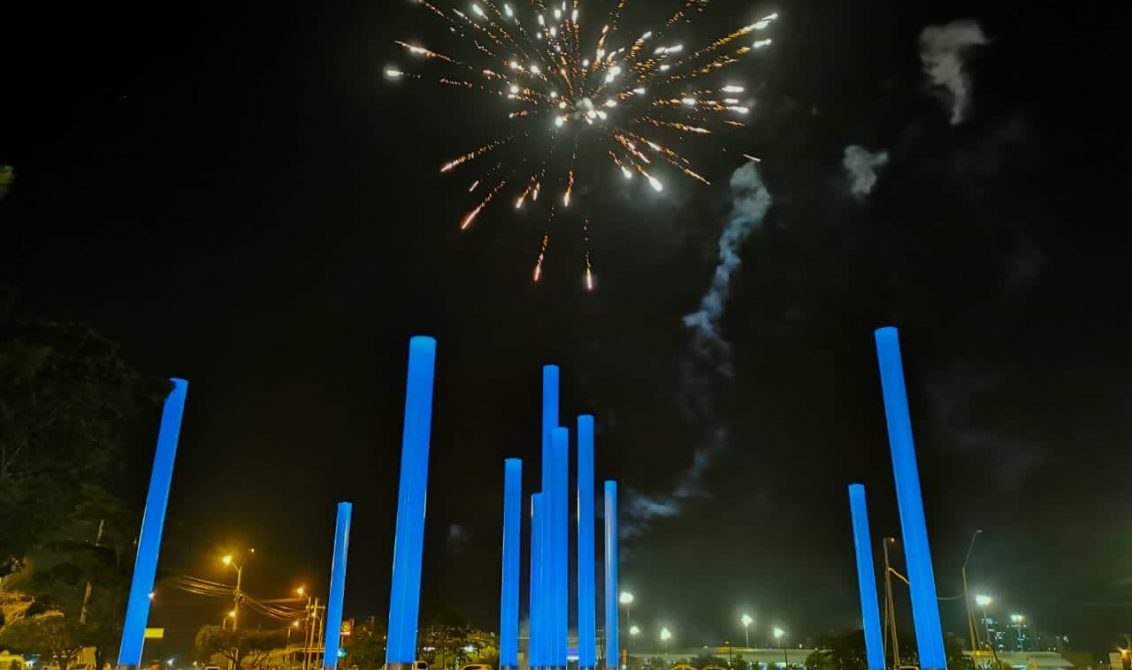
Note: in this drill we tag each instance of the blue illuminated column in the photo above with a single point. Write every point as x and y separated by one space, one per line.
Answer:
337 586
560 448
587 596
925 607
509 592
612 621
153 521
555 480
405 594
535 647
866 577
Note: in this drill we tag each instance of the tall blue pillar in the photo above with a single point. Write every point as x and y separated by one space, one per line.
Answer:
560 448
555 478
587 595
925 606
536 652
509 592
408 543
337 586
866 577
612 618
153 522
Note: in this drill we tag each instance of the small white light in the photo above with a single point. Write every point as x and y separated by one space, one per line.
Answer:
477 10
731 88
690 102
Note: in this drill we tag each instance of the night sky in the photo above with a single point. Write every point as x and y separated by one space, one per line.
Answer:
234 193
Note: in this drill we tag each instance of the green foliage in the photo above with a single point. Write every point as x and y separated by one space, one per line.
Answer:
65 399
52 637
456 646
365 650
839 652
7 176
243 648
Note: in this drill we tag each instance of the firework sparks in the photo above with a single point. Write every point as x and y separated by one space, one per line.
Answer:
585 88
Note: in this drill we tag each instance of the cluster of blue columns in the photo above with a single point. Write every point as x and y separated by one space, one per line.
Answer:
549 547
550 523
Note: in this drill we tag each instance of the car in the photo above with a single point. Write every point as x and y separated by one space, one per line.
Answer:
477 666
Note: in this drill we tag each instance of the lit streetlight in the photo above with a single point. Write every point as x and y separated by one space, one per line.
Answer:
984 601
747 620
230 561
972 630
665 636
634 630
626 600
778 635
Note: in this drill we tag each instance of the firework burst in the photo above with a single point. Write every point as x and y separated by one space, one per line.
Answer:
570 90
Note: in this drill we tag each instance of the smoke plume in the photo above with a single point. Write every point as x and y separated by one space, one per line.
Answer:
861 167
708 361
750 200
942 50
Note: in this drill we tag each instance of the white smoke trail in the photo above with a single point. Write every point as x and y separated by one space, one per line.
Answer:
750 200
861 166
711 357
942 49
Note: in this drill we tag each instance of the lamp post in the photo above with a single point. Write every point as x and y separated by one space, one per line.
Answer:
626 599
971 629
230 561
747 620
984 601
665 636
778 635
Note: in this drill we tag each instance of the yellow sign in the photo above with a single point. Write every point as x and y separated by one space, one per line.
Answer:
154 633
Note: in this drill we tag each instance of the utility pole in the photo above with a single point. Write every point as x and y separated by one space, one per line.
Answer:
972 630
89 585
890 607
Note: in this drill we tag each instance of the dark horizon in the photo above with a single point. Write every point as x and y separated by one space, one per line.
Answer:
237 196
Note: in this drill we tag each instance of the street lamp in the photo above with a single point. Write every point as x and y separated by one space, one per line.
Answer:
972 630
230 561
983 601
626 599
747 620
665 636
778 635
634 630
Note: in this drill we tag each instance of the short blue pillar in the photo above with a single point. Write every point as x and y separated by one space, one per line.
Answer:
866 577
337 586
509 591
925 606
612 617
153 522
587 595
408 543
